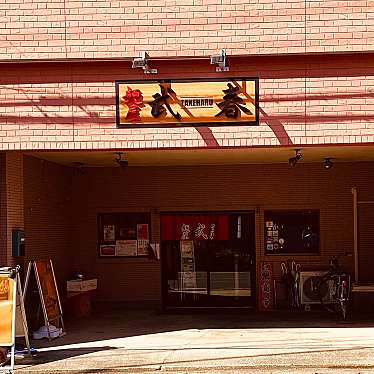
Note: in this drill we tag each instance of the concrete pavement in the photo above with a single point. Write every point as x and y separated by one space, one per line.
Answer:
134 341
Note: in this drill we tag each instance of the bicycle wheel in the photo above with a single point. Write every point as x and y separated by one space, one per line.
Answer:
344 309
343 297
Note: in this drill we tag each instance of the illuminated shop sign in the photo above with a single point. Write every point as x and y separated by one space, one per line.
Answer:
173 103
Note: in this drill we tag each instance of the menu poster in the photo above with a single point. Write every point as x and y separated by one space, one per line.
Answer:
188 274
44 272
107 250
187 248
109 233
142 231
6 310
126 248
143 247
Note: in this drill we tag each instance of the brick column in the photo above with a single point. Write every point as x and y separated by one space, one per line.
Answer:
3 220
11 204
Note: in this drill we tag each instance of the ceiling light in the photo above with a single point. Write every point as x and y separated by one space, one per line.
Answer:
220 60
293 160
122 163
142 63
327 163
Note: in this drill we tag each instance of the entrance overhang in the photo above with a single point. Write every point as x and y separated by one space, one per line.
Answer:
198 156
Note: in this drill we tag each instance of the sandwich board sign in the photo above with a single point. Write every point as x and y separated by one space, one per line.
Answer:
11 303
48 292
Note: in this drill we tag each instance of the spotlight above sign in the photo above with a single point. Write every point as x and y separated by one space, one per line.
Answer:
194 102
142 63
220 60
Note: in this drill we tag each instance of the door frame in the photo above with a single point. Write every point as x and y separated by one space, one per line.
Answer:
252 239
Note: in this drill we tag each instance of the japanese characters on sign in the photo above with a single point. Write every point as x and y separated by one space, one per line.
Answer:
266 286
200 231
195 102
195 227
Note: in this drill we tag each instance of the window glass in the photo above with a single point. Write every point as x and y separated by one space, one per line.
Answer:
123 234
291 232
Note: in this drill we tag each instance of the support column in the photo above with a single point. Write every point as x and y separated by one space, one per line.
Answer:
355 232
11 204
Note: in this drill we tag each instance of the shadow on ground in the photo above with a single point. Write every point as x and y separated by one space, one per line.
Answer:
119 321
44 357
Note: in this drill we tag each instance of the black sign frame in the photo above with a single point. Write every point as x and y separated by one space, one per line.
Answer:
177 124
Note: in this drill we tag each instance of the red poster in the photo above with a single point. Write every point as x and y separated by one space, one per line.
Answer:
142 231
265 286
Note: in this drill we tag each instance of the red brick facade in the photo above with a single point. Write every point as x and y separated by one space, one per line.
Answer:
40 29
48 215
304 100
59 63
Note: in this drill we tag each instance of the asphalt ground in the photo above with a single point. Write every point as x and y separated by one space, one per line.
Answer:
126 340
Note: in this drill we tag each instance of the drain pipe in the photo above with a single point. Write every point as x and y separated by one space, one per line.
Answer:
355 232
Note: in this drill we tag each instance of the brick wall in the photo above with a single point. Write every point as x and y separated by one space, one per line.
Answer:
365 230
48 217
11 204
212 188
15 198
303 100
3 219
43 29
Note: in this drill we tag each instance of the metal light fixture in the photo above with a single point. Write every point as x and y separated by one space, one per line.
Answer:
142 63
327 163
220 60
122 163
293 160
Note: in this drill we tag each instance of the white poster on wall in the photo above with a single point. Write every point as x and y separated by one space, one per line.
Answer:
143 247
188 274
126 248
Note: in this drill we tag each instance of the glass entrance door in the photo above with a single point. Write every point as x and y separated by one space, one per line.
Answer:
230 276
212 270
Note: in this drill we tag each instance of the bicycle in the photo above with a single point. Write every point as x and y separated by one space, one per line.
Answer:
335 290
